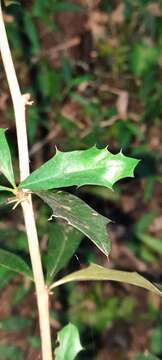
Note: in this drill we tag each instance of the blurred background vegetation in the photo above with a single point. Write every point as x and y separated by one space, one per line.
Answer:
94 69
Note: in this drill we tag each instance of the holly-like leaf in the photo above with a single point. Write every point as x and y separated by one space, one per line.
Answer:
79 215
97 272
5 159
92 166
15 263
63 242
69 343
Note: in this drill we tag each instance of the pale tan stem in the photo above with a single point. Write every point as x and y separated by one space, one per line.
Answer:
41 289
19 103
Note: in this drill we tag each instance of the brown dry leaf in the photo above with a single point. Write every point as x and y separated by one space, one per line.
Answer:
74 113
8 18
122 104
113 42
156 226
117 15
3 102
91 4
53 52
154 9
128 203
96 24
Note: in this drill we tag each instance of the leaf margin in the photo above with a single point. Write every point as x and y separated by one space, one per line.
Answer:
105 247
111 275
70 175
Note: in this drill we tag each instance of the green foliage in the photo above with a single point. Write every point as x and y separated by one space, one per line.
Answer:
3 188
15 263
20 293
11 352
63 242
79 215
14 323
146 356
152 242
143 58
85 167
125 54
107 310
42 8
151 246
34 341
5 159
69 343
96 272
5 277
156 341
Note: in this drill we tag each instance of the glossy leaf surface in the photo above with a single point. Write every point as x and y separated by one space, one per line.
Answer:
63 242
79 215
69 343
96 272
15 263
92 166
5 158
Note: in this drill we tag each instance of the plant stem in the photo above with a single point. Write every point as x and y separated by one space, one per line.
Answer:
19 103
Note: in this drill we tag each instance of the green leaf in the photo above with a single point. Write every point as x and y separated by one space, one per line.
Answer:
79 215
15 263
145 356
5 159
92 166
143 58
66 6
156 341
154 243
15 323
11 352
69 343
4 188
5 277
96 272
63 242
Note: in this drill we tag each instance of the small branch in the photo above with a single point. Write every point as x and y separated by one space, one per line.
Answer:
19 103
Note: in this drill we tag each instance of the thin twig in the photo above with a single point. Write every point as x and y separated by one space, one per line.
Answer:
19 103
68 44
39 145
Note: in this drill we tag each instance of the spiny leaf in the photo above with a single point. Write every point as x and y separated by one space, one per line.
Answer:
69 343
92 166
15 263
63 242
96 272
5 159
79 215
